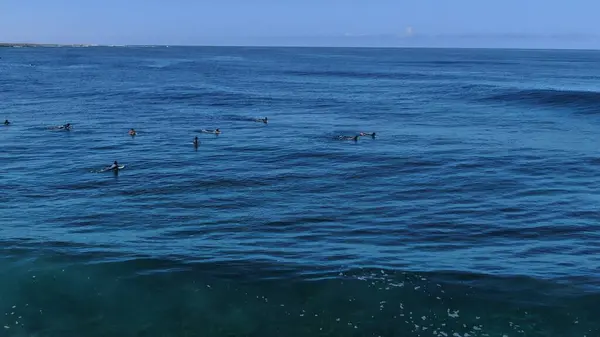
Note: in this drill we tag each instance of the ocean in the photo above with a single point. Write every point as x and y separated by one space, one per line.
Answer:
473 212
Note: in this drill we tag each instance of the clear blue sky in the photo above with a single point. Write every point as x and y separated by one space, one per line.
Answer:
318 22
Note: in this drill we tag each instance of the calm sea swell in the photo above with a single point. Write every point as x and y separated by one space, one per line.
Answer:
579 101
473 213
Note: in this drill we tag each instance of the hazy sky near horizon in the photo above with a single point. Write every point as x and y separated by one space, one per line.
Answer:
244 21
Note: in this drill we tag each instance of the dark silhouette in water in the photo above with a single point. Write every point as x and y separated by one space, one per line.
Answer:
6 122
196 142
66 127
114 167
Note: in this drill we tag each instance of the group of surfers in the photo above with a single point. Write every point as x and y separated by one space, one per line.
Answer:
115 166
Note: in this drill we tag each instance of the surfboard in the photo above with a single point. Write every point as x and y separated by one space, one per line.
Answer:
106 169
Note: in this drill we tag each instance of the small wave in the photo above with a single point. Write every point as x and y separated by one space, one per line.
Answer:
466 62
364 74
583 101
233 118
259 298
212 97
212 183
82 66
208 97
168 63
226 58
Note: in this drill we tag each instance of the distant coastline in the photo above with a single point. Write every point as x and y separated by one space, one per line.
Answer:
307 45
34 45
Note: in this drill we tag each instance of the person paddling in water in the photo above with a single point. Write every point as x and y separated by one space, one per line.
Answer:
196 141
113 167
264 120
6 122
66 127
372 134
132 132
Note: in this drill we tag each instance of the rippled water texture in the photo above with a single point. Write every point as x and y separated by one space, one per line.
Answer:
473 212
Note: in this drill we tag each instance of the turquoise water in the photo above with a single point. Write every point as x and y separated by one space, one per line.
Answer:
474 212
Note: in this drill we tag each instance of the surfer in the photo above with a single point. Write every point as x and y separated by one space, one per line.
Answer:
372 134
114 167
66 127
132 132
196 141
6 122
216 131
264 120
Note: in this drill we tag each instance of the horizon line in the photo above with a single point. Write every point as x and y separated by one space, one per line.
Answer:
92 45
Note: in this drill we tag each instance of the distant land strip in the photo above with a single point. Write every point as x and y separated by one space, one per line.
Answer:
30 45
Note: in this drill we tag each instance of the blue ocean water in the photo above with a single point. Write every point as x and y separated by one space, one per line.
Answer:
473 212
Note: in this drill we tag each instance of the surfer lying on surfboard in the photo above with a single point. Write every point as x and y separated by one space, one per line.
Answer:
216 131
114 167
264 120
66 127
